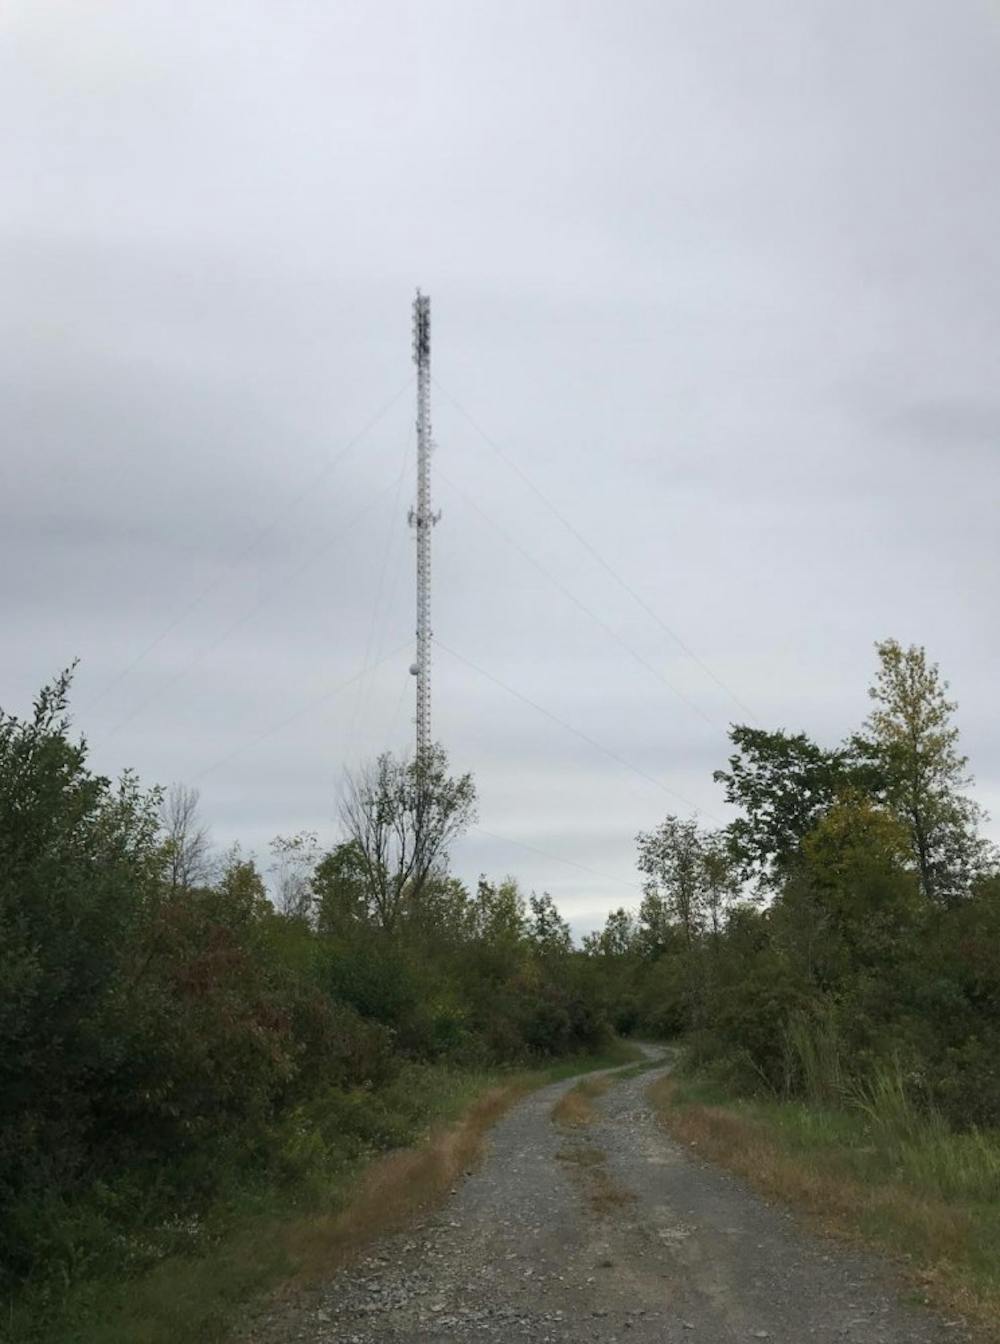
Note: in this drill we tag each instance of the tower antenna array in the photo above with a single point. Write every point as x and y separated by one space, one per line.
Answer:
422 519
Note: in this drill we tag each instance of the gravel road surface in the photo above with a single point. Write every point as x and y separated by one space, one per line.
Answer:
613 1233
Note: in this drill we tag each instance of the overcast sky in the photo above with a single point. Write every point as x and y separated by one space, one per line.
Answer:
714 287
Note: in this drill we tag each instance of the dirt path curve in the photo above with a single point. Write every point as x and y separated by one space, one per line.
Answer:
614 1234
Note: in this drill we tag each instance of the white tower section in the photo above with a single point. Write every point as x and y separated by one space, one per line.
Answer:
423 519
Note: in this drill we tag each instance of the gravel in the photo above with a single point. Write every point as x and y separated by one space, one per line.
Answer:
612 1234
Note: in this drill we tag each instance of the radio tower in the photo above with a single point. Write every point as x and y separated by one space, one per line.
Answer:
423 520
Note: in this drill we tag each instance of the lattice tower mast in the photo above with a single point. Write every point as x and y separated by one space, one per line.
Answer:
422 519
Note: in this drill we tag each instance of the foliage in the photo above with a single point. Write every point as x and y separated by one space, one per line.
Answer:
169 1034
878 952
911 740
691 880
79 862
671 860
548 931
783 782
340 891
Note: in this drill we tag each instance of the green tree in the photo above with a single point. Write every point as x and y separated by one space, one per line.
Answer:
442 915
548 932
722 885
499 916
240 888
656 932
672 860
910 737
783 783
616 939
341 890
852 903
80 875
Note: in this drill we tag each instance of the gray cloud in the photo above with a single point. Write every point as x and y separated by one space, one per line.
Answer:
945 426
719 279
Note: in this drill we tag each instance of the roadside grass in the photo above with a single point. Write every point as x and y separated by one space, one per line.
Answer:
876 1169
353 1167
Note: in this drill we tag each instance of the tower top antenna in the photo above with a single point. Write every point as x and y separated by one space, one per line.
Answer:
421 329
422 520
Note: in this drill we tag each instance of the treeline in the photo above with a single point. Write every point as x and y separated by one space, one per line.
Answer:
845 929
172 1030
168 1032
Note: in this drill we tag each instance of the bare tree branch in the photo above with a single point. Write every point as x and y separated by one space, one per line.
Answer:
188 847
403 816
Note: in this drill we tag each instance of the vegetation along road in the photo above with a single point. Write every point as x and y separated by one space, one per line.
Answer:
587 1222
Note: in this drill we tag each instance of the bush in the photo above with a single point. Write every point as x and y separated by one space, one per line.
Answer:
162 1044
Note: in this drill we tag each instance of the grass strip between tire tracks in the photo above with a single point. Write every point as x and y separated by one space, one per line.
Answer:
400 1186
575 1109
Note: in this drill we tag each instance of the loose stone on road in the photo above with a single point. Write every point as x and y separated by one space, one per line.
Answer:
611 1233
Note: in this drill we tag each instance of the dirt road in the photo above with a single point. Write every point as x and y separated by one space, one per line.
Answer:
608 1233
